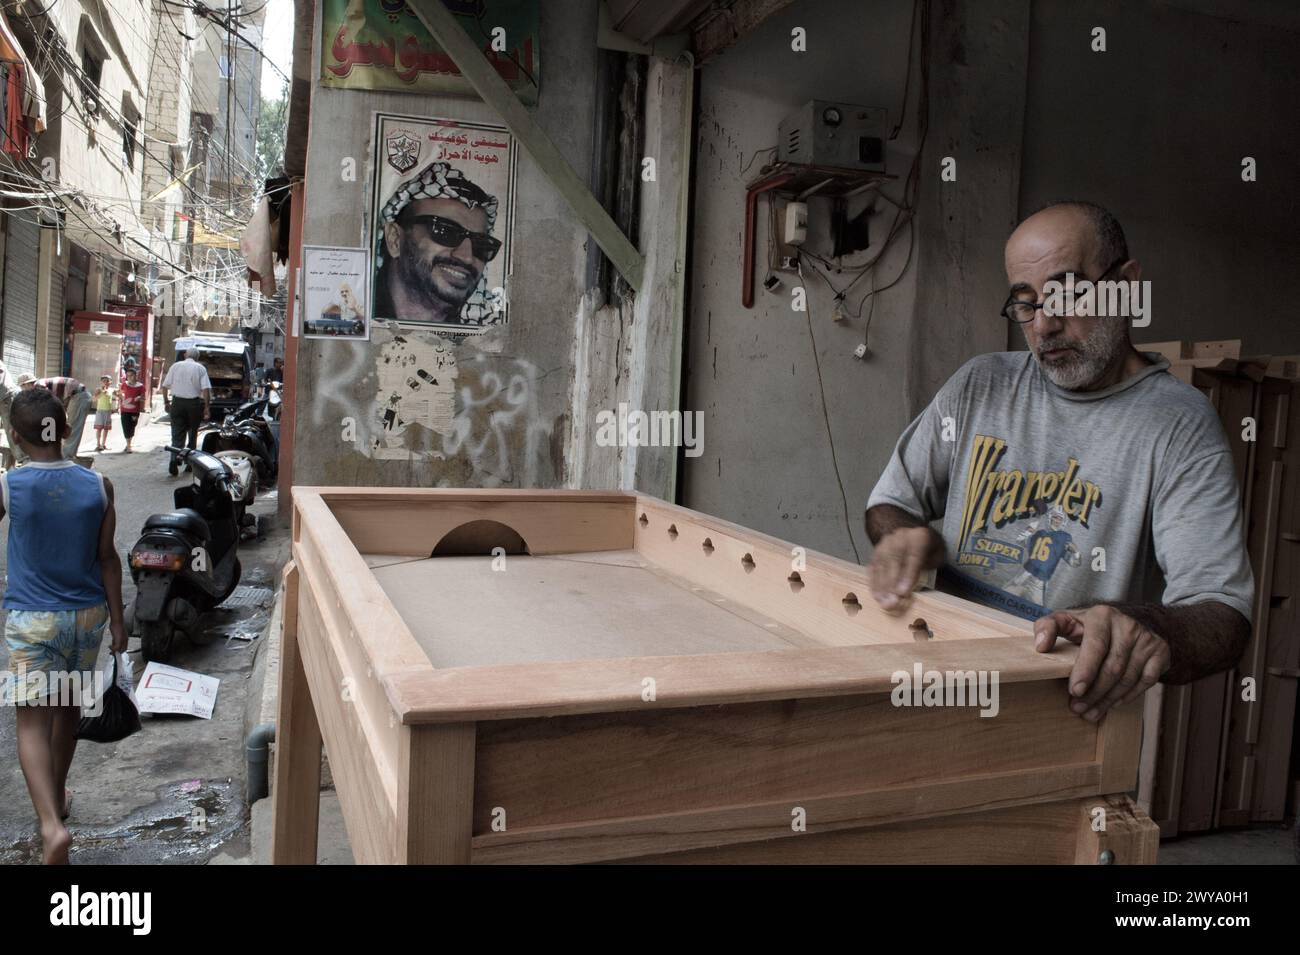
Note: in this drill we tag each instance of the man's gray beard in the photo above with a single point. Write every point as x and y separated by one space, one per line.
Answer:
1090 361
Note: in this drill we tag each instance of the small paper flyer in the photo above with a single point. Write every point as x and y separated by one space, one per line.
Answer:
335 293
164 689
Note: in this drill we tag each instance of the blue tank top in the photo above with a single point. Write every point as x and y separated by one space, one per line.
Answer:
55 512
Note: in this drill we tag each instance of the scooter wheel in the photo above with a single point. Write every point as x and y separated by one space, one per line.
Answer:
157 638
234 581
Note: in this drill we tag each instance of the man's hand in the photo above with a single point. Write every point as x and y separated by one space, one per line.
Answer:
207 412
118 629
1119 659
898 561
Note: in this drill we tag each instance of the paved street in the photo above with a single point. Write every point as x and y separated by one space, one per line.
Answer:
137 800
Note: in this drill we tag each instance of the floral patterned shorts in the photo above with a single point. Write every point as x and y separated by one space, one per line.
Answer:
46 647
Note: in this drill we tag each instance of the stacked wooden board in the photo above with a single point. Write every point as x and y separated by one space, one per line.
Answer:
562 676
1218 752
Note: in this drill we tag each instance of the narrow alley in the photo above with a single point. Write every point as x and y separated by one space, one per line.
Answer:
174 792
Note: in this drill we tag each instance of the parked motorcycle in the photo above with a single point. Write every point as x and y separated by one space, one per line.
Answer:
248 430
186 561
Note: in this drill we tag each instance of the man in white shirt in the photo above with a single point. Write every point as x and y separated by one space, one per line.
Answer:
187 396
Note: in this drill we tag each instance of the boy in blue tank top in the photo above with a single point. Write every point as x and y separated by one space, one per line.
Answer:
65 584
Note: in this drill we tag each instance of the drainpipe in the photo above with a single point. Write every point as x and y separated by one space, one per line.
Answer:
257 750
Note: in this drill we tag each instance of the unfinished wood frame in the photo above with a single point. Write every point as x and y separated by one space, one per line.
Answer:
691 755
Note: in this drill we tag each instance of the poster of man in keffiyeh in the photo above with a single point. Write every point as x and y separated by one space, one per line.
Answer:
443 207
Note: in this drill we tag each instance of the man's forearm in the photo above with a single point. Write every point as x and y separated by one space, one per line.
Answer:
1203 638
884 518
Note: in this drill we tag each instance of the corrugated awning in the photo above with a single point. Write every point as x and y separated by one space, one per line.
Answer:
33 93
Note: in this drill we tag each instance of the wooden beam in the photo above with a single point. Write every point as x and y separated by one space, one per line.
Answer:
489 85
719 31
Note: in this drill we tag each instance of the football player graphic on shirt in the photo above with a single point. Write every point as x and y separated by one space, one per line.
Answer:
1045 548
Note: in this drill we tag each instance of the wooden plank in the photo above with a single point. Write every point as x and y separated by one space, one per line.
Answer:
489 85
365 782
296 796
610 766
596 686
608 840
413 526
1129 837
435 803
1152 708
1043 834
675 538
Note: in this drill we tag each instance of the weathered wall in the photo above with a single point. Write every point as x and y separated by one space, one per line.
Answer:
768 461
1155 128
507 394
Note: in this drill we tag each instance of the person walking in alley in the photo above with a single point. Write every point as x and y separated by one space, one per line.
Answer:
131 404
76 405
64 586
105 399
9 387
191 403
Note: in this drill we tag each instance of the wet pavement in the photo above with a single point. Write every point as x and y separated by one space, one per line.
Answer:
175 791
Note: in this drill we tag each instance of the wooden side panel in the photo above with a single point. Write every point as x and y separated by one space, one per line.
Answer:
756 570
296 796
574 770
412 523
1043 834
637 836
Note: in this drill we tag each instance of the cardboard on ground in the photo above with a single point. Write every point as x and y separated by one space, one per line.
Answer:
164 689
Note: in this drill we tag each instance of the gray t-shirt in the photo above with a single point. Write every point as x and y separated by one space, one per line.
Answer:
1053 499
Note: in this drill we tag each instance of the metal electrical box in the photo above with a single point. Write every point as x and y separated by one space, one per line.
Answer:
824 133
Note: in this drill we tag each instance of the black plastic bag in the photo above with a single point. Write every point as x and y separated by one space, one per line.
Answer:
118 718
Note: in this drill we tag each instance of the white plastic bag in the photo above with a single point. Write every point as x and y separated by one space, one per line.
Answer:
124 679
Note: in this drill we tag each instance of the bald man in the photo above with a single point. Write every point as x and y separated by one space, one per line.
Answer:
1080 485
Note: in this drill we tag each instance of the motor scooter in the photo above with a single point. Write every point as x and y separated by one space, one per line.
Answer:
186 561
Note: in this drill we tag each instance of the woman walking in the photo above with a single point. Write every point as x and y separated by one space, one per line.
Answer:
131 405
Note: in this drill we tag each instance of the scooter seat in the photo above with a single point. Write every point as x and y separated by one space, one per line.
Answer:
185 519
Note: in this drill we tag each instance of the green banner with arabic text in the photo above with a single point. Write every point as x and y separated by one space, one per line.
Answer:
381 45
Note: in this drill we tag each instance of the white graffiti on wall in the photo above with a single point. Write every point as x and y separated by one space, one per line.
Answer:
493 420
501 405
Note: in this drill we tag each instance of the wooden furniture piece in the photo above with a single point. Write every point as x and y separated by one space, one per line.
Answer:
630 681
1218 752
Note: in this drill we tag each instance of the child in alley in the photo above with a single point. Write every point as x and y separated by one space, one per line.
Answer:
105 398
64 585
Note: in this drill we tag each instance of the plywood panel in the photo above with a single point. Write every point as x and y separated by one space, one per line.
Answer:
466 613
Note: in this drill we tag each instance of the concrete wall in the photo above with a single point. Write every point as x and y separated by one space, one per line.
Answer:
1155 128
510 391
94 163
772 382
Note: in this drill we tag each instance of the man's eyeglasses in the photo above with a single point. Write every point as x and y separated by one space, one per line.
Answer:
1022 313
452 234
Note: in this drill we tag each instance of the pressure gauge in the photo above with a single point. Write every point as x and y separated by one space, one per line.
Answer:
831 116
